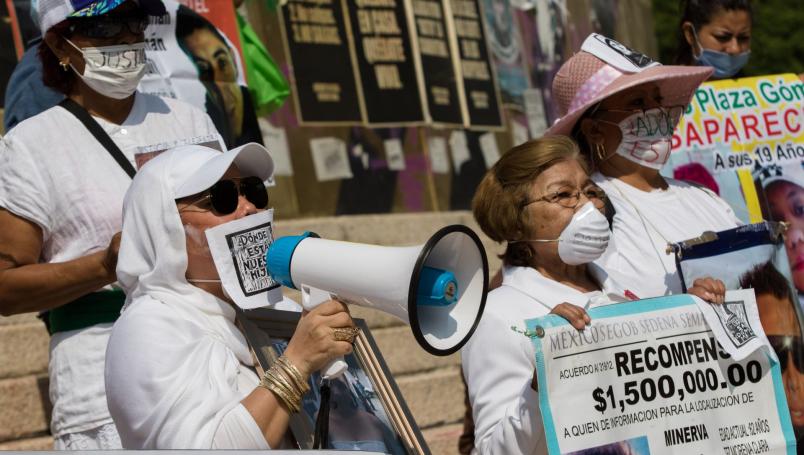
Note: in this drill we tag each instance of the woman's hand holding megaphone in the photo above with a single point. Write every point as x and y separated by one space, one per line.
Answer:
314 344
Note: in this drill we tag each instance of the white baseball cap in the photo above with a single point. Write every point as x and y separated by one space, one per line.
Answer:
196 167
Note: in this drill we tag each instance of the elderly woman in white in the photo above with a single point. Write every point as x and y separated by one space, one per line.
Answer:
540 200
178 369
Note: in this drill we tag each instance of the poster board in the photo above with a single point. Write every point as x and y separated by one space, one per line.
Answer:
389 63
735 128
648 377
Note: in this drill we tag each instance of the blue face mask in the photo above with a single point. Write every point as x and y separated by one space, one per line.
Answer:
725 65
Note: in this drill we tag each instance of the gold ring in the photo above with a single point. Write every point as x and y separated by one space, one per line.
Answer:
345 334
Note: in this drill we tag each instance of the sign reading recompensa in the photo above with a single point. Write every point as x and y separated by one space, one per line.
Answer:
648 377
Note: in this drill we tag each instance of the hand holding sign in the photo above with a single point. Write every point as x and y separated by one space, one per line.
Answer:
574 314
709 289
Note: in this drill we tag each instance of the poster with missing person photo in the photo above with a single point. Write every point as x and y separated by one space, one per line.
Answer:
754 257
196 60
743 139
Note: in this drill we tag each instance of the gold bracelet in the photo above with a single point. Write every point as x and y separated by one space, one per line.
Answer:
284 399
269 383
302 385
282 382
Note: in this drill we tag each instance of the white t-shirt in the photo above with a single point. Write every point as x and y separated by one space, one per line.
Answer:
54 173
645 222
498 363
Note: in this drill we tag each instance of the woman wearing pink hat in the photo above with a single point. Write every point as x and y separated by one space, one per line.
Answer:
622 108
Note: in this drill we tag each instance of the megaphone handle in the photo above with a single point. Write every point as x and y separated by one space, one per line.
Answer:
334 369
311 298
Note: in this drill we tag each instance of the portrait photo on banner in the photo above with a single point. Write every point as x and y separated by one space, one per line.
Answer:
743 139
754 257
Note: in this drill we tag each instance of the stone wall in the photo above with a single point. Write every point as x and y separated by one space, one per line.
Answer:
431 385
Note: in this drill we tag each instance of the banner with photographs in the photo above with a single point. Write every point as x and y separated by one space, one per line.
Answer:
648 377
738 137
744 140
753 257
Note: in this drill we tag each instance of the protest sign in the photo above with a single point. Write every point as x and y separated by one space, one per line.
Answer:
197 60
506 48
479 82
445 101
649 377
735 128
238 249
744 140
385 62
390 62
315 38
753 257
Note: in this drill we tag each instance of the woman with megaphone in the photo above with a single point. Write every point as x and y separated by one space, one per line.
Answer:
540 200
178 370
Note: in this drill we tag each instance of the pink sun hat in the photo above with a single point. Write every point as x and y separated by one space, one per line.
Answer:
604 68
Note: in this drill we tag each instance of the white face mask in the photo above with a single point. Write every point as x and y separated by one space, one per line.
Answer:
112 71
647 136
585 238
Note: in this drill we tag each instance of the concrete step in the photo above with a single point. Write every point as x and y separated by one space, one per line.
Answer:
434 398
403 355
36 443
443 440
18 319
25 407
385 229
23 348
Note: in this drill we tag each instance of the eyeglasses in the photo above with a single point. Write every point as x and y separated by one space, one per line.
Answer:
783 344
570 198
108 26
223 195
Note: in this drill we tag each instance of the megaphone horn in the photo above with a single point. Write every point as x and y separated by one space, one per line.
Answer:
438 288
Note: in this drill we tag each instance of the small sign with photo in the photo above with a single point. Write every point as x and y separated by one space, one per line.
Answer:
367 412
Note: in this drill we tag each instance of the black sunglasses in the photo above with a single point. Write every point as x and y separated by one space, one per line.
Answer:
223 195
108 26
783 344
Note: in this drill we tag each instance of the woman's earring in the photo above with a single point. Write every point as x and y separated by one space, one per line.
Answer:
64 65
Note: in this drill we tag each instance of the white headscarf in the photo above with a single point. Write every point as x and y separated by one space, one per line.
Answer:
174 355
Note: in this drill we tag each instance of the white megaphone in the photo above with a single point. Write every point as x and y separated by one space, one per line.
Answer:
438 288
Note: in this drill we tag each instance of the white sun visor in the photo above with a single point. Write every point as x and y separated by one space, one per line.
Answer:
617 54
